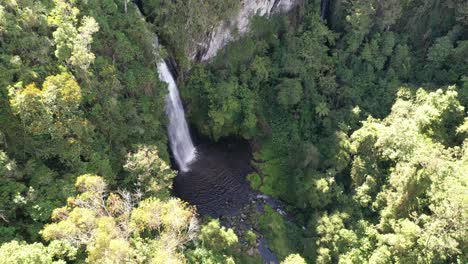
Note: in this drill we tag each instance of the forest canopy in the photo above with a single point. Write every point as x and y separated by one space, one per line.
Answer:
356 112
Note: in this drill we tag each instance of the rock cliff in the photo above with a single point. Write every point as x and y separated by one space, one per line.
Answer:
238 25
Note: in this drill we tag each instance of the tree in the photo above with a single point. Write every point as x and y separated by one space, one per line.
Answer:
289 92
81 56
28 104
56 252
152 173
408 183
10 188
293 259
16 253
112 230
359 21
216 244
52 115
388 12
72 40
322 109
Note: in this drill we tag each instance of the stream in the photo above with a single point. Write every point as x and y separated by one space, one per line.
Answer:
212 176
216 184
216 181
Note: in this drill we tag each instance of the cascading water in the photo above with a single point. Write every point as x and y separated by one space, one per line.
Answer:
179 136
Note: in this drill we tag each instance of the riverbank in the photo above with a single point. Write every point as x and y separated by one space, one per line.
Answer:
216 184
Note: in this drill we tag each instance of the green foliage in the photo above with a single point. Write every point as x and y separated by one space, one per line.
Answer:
322 109
409 187
53 113
79 95
72 40
217 244
289 92
283 237
113 231
17 253
10 189
27 203
251 238
221 108
293 259
183 25
255 180
152 173
311 88
216 237
74 98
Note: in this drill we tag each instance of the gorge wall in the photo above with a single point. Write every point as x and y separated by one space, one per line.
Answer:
237 25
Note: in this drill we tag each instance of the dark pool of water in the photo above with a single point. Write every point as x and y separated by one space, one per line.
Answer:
216 183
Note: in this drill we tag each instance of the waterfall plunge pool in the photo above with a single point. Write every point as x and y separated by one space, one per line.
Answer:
216 181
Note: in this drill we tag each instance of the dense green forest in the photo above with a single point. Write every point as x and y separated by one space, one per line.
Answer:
357 121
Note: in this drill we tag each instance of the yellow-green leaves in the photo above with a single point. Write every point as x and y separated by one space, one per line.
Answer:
90 183
113 231
152 173
148 215
53 113
294 259
463 129
82 57
217 245
172 218
63 13
61 94
409 169
214 236
19 253
28 104
8 167
110 244
72 39
55 104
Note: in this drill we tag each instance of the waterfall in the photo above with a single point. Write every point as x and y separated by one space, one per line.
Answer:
179 135
324 10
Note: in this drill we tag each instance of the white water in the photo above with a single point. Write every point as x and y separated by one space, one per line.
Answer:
179 136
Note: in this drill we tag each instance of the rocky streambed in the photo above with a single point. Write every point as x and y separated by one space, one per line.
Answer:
216 184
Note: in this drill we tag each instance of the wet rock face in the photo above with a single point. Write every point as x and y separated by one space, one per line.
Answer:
222 34
216 183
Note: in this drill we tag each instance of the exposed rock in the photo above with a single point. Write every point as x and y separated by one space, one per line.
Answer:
232 28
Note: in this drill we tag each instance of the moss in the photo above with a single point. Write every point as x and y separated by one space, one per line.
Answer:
246 259
283 237
255 180
251 238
